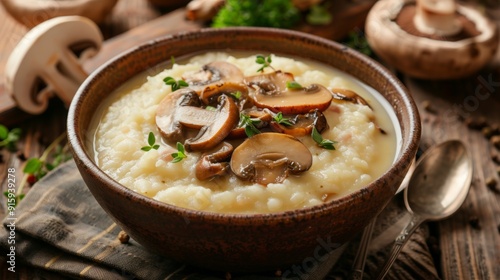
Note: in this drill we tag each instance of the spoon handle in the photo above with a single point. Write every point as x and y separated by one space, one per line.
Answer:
359 261
399 243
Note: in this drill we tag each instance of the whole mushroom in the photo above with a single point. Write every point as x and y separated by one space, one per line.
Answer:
431 39
33 12
47 62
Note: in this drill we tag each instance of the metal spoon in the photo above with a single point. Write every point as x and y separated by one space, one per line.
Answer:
437 188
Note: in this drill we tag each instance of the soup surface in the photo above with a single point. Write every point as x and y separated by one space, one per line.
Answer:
365 143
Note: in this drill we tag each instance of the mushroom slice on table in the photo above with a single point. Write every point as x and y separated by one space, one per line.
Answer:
47 62
173 117
302 125
270 157
436 40
214 162
273 91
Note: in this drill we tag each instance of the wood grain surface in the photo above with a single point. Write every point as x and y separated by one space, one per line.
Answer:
466 245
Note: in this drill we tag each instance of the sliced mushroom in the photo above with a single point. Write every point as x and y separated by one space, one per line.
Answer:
173 116
269 158
264 115
215 162
302 125
349 96
214 72
271 91
237 91
47 62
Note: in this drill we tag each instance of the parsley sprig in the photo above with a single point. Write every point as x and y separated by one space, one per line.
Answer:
175 84
323 143
249 124
264 61
181 153
151 143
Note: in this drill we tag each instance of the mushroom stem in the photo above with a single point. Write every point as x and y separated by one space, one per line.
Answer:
437 17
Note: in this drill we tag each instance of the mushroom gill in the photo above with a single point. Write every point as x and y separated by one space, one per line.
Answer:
270 157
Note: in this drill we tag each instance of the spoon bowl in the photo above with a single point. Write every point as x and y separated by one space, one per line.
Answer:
440 183
437 188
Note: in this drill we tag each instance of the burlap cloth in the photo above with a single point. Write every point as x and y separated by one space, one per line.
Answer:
60 228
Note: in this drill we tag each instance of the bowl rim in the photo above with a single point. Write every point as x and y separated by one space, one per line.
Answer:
403 157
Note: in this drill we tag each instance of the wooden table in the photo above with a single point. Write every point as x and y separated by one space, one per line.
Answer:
467 244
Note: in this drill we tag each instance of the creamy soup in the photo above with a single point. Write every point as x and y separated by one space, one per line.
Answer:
362 134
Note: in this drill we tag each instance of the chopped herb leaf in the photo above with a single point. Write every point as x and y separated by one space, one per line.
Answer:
151 143
236 94
282 120
180 155
293 85
249 125
9 138
175 85
323 143
210 108
264 61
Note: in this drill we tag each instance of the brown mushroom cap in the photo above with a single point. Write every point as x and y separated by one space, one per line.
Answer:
213 163
212 73
270 157
428 58
175 113
271 91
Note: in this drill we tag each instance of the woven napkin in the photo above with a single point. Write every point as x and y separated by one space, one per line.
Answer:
60 228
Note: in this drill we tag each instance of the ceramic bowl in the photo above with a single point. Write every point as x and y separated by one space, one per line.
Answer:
241 242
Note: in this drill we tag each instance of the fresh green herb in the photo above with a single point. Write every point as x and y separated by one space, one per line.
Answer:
180 155
319 15
9 138
175 85
36 168
39 167
151 143
264 61
356 39
293 85
270 13
236 94
282 120
249 124
323 143
210 108
172 60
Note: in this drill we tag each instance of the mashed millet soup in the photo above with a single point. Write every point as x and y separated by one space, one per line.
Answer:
240 133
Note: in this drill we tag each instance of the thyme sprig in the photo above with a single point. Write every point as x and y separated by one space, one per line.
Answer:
264 61
249 124
282 120
180 154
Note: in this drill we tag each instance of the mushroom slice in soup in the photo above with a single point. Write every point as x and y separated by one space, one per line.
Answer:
340 94
214 72
273 91
173 116
302 124
269 158
214 162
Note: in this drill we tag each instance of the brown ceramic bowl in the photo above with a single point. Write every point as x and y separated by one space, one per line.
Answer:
240 242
